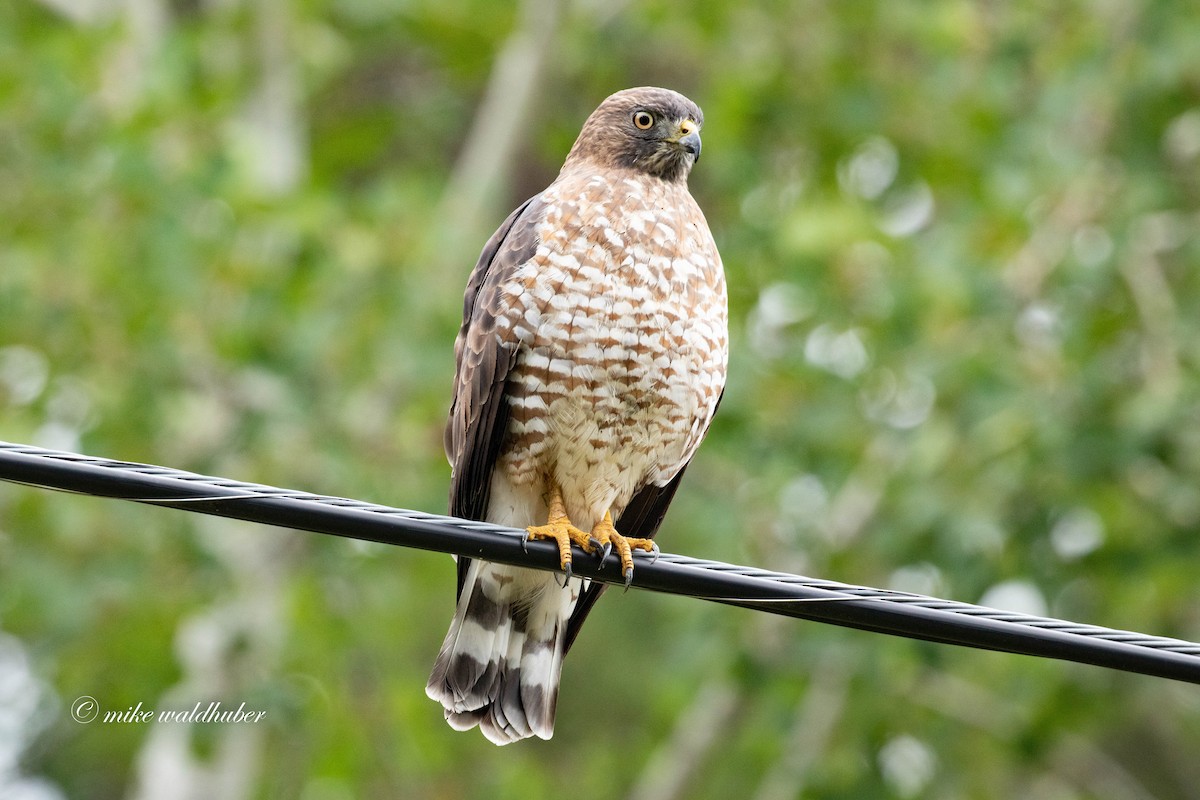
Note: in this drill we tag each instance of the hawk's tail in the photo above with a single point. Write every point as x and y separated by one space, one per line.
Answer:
500 663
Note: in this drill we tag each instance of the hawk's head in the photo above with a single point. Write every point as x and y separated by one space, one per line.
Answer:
650 130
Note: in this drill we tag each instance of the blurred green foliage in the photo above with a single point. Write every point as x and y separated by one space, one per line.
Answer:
961 241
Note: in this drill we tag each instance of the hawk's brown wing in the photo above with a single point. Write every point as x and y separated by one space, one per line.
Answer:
479 413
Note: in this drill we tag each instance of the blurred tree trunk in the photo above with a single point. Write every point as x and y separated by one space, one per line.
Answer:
468 207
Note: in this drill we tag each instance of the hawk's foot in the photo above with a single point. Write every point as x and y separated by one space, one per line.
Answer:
607 537
560 528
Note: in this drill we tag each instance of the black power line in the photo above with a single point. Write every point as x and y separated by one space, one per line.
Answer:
882 611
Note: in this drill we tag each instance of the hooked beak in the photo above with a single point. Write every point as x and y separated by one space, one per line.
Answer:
689 137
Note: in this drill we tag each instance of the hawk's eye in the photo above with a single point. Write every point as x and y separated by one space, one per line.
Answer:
644 120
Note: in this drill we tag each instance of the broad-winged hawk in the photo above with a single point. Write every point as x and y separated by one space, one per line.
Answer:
590 362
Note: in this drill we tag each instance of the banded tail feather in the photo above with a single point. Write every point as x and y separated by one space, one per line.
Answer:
500 663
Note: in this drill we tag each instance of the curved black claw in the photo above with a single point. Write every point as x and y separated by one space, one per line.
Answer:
628 578
604 553
594 545
566 575
654 552
525 541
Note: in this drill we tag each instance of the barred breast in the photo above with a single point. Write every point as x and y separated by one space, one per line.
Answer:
622 319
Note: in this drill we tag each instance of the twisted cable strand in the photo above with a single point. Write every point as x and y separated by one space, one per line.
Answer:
880 610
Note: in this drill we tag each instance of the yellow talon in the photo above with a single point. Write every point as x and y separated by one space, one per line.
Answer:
602 539
560 528
605 534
